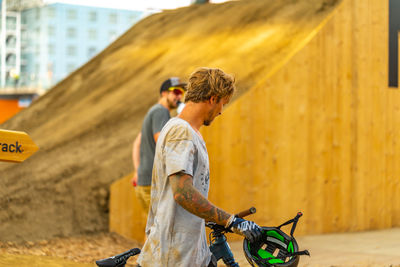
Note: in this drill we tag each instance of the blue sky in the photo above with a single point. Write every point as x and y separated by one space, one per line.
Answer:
132 4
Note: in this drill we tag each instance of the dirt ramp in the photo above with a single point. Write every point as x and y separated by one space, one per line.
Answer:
85 125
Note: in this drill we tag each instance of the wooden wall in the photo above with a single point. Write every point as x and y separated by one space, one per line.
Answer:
127 216
320 135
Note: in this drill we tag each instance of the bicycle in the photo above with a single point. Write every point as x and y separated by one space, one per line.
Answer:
277 249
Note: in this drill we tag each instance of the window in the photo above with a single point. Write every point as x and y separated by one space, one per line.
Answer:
11 59
37 32
50 67
113 18
91 52
51 30
24 67
71 32
71 14
11 23
133 18
11 41
92 16
37 69
70 67
112 35
51 12
71 50
24 35
92 34
52 49
37 13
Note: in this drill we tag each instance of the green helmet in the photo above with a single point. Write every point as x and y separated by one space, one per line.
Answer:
275 249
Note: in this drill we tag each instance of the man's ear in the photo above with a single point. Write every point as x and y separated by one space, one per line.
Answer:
213 99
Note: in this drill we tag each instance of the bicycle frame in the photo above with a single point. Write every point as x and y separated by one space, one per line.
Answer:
219 246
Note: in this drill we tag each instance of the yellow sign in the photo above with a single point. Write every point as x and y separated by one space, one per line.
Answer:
16 146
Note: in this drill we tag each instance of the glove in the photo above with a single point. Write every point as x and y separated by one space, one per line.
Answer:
248 229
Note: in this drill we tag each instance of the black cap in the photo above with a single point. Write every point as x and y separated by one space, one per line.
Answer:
172 82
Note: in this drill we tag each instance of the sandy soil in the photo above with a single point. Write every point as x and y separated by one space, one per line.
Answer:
78 251
365 249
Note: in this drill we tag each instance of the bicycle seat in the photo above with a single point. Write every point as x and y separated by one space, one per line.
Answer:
118 260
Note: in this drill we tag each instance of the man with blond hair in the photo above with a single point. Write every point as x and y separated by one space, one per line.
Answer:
180 182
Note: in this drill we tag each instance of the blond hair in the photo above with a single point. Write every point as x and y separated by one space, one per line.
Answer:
207 82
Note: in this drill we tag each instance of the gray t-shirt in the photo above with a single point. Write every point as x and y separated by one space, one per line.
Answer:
153 122
176 237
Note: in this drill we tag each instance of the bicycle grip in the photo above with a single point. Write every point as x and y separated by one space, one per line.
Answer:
245 213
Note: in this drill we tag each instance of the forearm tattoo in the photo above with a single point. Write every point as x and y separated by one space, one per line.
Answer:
192 200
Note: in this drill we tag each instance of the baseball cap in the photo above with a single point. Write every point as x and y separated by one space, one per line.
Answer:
172 82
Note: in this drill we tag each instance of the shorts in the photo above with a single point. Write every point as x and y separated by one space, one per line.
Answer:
143 193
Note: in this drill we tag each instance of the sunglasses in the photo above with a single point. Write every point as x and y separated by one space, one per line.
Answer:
177 90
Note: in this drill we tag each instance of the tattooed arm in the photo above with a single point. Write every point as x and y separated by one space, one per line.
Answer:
186 195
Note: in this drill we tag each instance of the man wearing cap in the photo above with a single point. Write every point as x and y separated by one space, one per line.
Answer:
171 92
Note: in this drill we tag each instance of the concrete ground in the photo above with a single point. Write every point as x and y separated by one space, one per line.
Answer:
363 249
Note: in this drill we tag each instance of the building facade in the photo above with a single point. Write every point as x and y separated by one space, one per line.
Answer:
58 38
42 43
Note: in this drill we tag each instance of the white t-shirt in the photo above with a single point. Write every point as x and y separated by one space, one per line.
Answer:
176 237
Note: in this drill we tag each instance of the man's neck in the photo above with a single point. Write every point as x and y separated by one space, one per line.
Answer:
193 113
163 102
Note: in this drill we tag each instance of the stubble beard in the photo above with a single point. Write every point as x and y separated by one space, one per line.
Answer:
172 104
209 119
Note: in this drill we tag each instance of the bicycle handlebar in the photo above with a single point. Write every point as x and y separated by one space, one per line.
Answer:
245 213
118 260
241 214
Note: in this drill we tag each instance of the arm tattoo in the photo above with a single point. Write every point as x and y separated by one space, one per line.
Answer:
186 195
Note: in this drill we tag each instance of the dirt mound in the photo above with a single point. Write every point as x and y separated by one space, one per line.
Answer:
85 125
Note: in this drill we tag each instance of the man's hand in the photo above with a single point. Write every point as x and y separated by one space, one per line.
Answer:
134 179
248 229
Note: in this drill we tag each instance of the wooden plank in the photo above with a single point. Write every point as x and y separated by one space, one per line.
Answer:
127 216
16 146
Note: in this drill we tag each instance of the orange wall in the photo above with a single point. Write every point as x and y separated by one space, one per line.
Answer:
8 108
127 216
320 135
